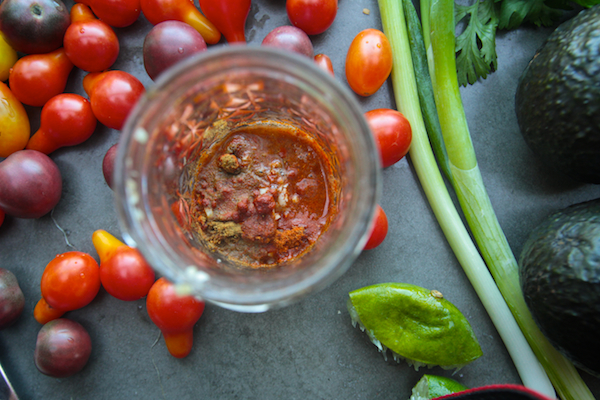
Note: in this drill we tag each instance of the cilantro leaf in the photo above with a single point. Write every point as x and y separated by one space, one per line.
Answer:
515 12
587 3
476 45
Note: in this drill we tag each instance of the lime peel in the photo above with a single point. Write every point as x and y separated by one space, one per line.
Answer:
434 386
415 324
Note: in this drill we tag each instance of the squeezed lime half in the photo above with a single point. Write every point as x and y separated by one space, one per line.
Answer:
432 386
415 324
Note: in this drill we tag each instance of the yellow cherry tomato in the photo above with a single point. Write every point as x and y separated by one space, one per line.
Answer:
8 58
14 123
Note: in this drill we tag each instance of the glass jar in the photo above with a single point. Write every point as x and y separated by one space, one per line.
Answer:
190 109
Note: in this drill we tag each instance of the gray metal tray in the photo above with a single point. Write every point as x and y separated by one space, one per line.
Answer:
310 349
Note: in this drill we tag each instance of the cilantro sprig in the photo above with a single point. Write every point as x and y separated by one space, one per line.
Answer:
476 44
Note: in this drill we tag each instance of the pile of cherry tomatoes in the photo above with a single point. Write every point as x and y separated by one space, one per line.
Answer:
37 54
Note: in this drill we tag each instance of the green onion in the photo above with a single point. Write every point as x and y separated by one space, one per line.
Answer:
476 205
421 154
424 86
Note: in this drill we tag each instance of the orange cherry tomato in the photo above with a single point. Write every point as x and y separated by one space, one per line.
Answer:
90 44
66 120
36 78
113 95
174 315
379 230
14 122
43 313
324 62
157 11
392 133
117 13
70 281
368 61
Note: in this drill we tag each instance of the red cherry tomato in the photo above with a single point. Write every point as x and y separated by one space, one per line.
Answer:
174 315
324 62
66 120
312 16
1 217
229 17
90 44
379 230
113 94
124 272
70 281
368 61
126 275
36 78
392 132
117 13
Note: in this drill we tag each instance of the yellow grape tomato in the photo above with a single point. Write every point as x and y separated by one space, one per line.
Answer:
14 123
8 58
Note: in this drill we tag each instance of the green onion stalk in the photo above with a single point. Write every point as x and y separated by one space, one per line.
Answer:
538 363
475 203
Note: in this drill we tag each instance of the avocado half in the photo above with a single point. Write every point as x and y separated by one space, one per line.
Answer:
559 270
558 99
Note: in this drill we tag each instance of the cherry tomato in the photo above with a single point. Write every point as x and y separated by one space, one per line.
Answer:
392 132
70 281
324 62
113 94
36 78
43 313
126 275
228 16
312 16
8 58
124 272
368 61
66 120
1 217
167 43
174 315
34 26
90 44
379 230
117 13
14 122
157 11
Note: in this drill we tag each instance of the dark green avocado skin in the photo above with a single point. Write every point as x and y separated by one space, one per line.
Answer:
559 270
558 99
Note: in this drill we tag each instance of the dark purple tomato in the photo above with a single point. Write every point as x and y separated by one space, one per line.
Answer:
290 38
34 26
169 42
108 164
12 300
30 184
62 349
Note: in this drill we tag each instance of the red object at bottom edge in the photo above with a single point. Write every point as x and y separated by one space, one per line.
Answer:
497 392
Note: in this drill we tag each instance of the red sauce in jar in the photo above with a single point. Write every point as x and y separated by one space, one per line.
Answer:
263 195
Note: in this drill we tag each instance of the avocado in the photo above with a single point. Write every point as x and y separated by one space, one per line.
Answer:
559 271
558 99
